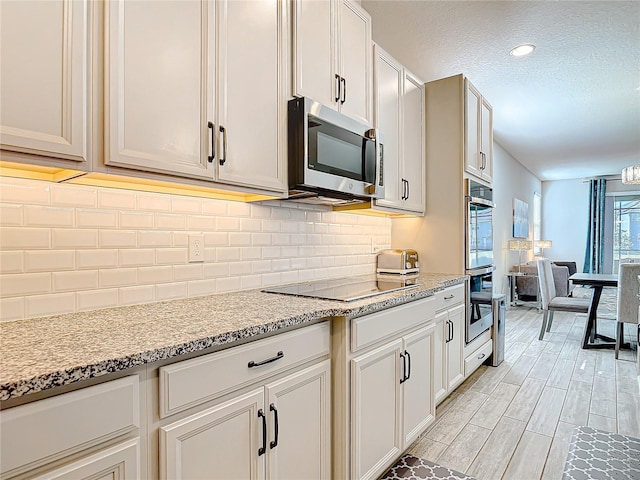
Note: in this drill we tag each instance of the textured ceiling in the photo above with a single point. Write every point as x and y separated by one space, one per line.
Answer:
571 109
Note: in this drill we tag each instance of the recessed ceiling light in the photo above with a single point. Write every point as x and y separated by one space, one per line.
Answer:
521 50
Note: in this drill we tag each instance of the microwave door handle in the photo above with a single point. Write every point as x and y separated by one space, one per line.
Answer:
372 134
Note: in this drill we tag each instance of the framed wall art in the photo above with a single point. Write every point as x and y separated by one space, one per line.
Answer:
520 219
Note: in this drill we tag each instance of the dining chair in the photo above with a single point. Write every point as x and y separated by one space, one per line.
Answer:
552 303
628 301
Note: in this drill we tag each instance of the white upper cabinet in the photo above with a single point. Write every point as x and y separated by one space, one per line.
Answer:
200 91
399 115
332 60
160 84
44 78
253 93
478 160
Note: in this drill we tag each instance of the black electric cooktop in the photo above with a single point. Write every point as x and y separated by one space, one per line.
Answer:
349 288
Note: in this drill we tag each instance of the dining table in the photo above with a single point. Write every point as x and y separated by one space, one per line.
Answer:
597 281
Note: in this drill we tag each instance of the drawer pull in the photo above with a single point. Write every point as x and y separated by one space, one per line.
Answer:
278 356
263 449
449 297
480 357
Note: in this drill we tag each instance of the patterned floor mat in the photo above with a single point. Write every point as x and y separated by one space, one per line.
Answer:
409 467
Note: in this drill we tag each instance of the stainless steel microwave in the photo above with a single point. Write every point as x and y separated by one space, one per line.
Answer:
333 155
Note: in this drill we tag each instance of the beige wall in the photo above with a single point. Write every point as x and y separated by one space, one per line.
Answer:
510 180
66 248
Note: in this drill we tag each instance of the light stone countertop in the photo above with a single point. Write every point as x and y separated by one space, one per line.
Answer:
42 353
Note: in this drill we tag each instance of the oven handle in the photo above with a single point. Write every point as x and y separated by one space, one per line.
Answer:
480 201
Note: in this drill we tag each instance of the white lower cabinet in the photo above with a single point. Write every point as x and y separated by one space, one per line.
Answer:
448 351
384 397
279 430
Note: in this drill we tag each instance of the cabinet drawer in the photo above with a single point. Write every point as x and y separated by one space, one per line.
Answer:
48 429
191 382
449 297
477 358
378 326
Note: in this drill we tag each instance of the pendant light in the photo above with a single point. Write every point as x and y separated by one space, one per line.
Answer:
631 175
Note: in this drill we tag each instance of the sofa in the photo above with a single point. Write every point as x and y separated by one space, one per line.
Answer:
528 287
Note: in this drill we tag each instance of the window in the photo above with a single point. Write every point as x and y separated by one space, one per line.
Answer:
626 228
537 222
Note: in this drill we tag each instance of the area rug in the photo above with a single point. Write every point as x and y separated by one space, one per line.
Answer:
409 467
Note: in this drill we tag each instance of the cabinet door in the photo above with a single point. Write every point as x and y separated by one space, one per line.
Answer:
355 61
160 86
418 399
375 410
254 87
486 137
315 61
440 337
455 360
413 153
301 402
121 462
44 77
388 108
221 442
473 100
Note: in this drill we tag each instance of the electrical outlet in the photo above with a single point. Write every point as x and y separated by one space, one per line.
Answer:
374 245
196 248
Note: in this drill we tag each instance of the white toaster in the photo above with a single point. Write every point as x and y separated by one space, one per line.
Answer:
398 261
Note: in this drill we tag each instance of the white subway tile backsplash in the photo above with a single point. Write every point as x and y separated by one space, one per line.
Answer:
73 281
73 196
54 304
96 259
118 277
138 294
74 238
11 262
11 214
19 238
151 275
239 209
117 238
17 190
94 299
186 205
96 218
170 291
136 220
194 271
154 239
137 257
201 222
227 224
43 216
69 248
170 221
171 256
49 260
227 254
227 284
154 202
198 288
120 199
12 309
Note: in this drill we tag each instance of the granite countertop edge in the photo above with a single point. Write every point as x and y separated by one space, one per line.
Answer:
21 375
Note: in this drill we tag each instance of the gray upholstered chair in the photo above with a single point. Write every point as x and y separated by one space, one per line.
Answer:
628 301
550 302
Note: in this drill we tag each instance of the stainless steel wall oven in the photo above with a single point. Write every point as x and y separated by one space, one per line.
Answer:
479 257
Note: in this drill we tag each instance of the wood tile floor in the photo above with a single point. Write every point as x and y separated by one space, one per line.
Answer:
514 421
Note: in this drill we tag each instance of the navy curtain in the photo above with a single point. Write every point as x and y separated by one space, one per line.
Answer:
594 255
